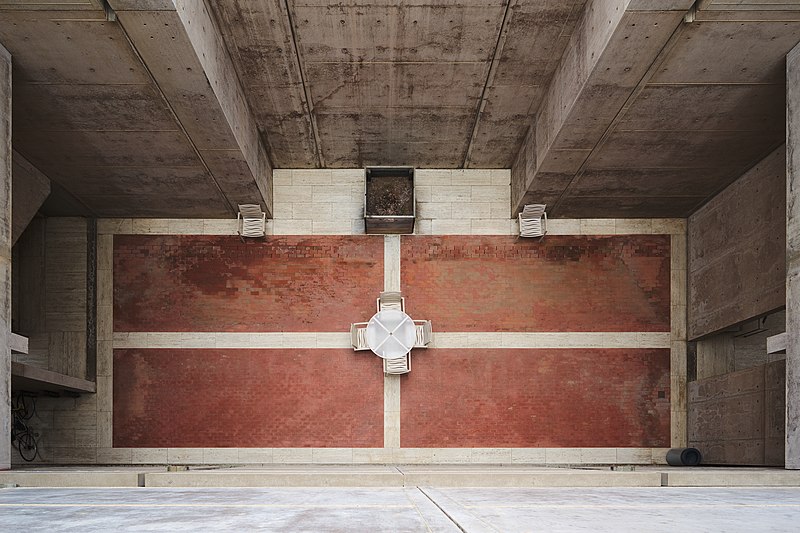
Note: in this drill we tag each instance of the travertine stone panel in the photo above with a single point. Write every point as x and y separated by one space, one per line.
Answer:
391 263
391 411
678 339
319 202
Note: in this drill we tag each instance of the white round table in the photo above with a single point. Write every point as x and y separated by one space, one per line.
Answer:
391 334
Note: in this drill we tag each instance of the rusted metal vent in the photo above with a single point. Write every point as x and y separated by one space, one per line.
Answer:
389 206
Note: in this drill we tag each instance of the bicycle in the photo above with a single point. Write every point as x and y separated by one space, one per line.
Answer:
23 407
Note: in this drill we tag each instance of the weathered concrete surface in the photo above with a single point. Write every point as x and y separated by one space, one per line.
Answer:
88 115
205 85
737 418
715 356
5 258
610 52
737 269
120 137
793 259
52 289
676 121
628 111
30 190
422 83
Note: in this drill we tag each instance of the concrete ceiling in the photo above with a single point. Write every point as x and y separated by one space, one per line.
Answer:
602 108
126 123
695 101
445 84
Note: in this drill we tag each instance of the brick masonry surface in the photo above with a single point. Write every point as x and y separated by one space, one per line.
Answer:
218 283
247 398
563 283
536 398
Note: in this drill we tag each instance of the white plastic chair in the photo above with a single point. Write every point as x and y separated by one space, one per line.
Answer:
391 300
424 333
401 365
358 336
533 221
251 221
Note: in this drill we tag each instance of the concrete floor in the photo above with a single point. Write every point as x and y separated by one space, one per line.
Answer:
396 510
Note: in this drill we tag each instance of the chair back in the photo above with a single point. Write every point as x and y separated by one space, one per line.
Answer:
533 221
252 220
358 336
400 365
391 300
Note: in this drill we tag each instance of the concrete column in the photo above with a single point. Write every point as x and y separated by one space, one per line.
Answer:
793 259
5 258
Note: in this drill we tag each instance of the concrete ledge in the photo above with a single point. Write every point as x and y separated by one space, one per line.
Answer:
567 478
731 478
388 478
777 343
400 476
70 479
18 343
34 379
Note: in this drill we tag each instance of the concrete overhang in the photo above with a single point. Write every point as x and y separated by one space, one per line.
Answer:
656 107
131 111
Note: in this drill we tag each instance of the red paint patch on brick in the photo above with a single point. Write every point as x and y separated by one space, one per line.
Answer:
562 283
536 398
218 283
247 398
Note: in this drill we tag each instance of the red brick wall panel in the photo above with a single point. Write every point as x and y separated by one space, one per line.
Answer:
536 398
562 283
218 283
247 398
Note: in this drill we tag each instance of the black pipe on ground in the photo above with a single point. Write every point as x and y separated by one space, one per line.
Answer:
684 457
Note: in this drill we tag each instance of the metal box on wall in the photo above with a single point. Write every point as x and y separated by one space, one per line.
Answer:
389 201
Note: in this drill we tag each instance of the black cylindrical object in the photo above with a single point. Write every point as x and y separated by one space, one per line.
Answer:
684 457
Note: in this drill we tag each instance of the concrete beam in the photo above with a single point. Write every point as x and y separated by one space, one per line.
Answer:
612 49
793 259
5 259
183 50
31 188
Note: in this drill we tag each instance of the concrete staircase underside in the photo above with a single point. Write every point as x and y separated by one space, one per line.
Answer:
396 476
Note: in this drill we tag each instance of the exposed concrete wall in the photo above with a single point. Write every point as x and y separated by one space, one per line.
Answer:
732 351
715 356
737 418
793 259
51 302
736 250
31 189
5 258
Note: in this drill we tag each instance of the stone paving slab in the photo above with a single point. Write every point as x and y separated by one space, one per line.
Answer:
469 510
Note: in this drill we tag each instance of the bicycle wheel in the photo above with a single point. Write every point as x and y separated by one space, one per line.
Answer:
26 445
